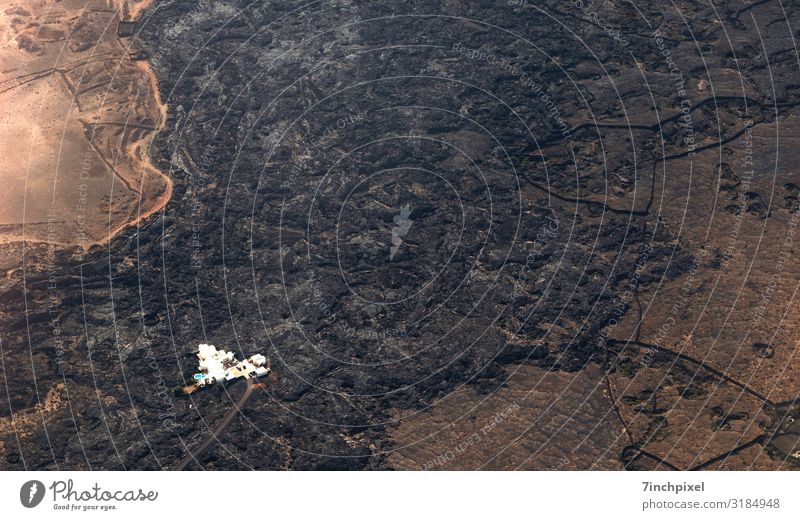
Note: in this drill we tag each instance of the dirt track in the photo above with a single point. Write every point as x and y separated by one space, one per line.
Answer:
194 456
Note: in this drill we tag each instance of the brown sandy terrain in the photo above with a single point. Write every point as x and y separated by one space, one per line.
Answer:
540 420
80 109
744 292
22 423
736 314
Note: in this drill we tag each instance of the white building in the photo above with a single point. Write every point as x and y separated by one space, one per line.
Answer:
218 366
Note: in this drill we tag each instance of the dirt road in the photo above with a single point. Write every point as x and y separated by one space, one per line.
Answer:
195 455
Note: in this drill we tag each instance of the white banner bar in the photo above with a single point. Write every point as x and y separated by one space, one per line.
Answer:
399 495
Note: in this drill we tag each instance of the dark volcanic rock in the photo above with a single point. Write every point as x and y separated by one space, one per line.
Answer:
390 200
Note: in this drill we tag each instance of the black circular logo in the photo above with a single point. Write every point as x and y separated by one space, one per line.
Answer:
31 493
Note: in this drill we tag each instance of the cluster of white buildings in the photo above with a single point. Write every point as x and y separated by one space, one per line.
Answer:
220 366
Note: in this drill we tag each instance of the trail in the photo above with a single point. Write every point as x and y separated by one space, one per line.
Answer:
703 365
195 454
131 165
127 11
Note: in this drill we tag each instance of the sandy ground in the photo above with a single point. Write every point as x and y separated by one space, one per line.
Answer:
540 420
77 119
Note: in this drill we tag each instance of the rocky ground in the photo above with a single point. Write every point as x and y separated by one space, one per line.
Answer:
467 234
